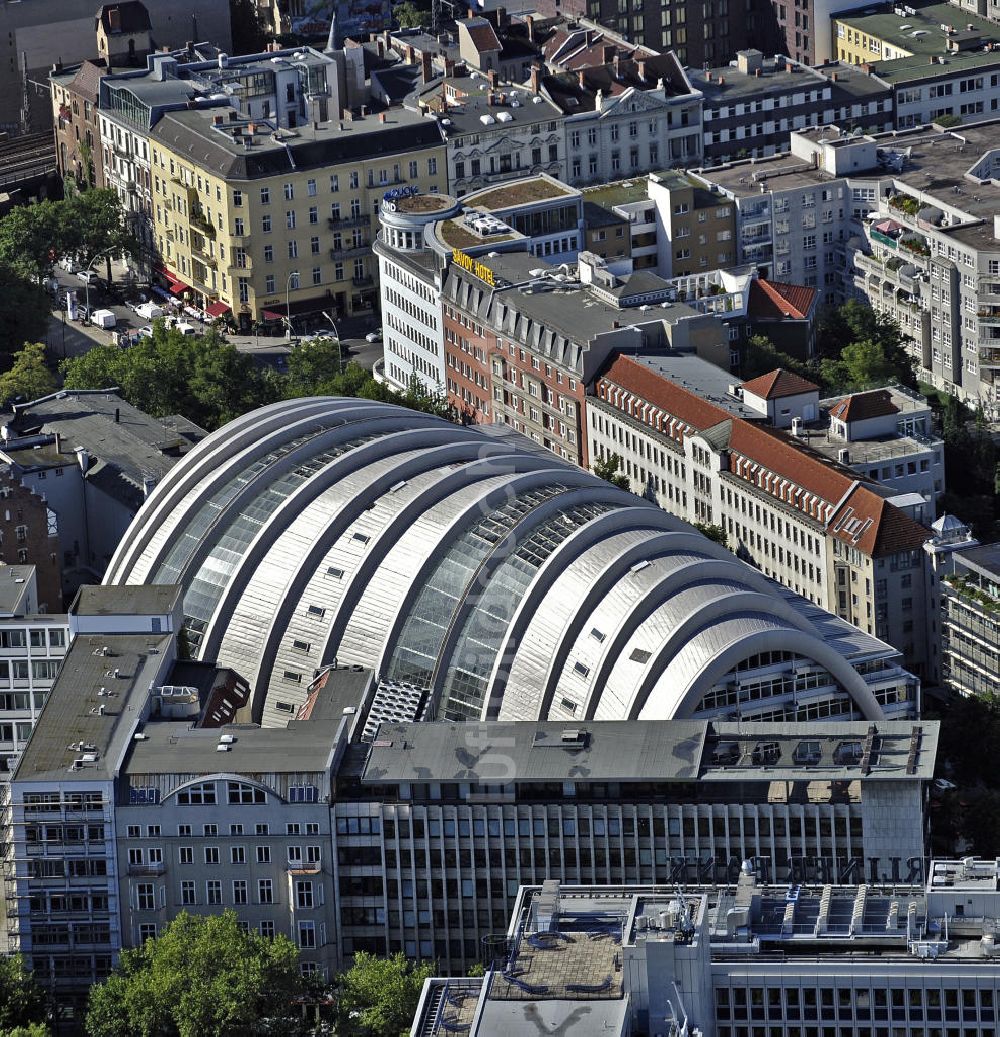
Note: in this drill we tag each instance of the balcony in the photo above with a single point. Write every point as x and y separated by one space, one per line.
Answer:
363 282
351 250
348 222
884 239
198 220
147 869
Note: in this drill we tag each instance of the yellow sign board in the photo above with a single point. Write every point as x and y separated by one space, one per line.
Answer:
480 270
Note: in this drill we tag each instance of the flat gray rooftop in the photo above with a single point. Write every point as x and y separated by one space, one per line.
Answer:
152 599
655 750
174 747
14 583
985 560
775 79
72 724
709 381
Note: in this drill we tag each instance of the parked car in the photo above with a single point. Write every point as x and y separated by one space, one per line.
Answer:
374 336
146 331
943 784
88 277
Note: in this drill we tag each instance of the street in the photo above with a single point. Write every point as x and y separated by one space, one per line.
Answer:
68 338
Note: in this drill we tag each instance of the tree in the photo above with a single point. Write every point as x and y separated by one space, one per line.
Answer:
312 365
22 1003
409 16
378 996
861 348
202 976
713 532
204 378
250 32
24 312
607 468
760 356
29 377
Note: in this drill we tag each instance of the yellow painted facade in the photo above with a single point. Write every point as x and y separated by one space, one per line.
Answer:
302 236
855 46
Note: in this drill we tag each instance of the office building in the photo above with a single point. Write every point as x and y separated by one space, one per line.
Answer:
753 957
267 223
122 779
393 552
846 543
436 825
92 459
752 104
941 62
33 642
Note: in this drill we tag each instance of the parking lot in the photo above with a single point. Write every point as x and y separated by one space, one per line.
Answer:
68 338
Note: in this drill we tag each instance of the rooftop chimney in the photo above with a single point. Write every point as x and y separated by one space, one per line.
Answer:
491 77
381 116
536 78
789 66
617 65
640 65
426 67
581 76
530 22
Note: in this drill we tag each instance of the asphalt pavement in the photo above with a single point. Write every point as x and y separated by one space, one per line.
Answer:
68 338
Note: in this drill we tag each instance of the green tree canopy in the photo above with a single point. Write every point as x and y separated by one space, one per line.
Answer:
410 16
29 376
84 224
377 997
22 1003
608 468
204 378
760 356
25 310
202 977
862 348
313 365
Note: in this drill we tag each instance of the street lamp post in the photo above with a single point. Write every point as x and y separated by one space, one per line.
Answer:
336 335
288 309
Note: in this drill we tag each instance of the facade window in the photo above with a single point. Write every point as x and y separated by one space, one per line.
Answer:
241 793
265 891
188 896
213 892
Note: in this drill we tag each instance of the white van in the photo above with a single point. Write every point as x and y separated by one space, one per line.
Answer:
104 319
185 329
149 311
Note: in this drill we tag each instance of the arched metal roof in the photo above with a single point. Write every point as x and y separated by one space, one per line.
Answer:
493 577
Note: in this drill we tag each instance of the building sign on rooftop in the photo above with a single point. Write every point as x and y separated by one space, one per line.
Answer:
477 269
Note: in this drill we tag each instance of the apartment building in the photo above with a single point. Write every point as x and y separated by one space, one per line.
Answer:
753 957
846 543
429 861
676 225
796 214
266 223
625 116
79 151
410 277
931 255
970 632
494 132
92 460
35 36
29 535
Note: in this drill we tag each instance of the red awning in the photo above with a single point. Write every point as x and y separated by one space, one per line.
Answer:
216 309
178 287
271 315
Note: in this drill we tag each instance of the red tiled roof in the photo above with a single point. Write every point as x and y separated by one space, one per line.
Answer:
766 458
775 384
863 405
873 525
777 300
